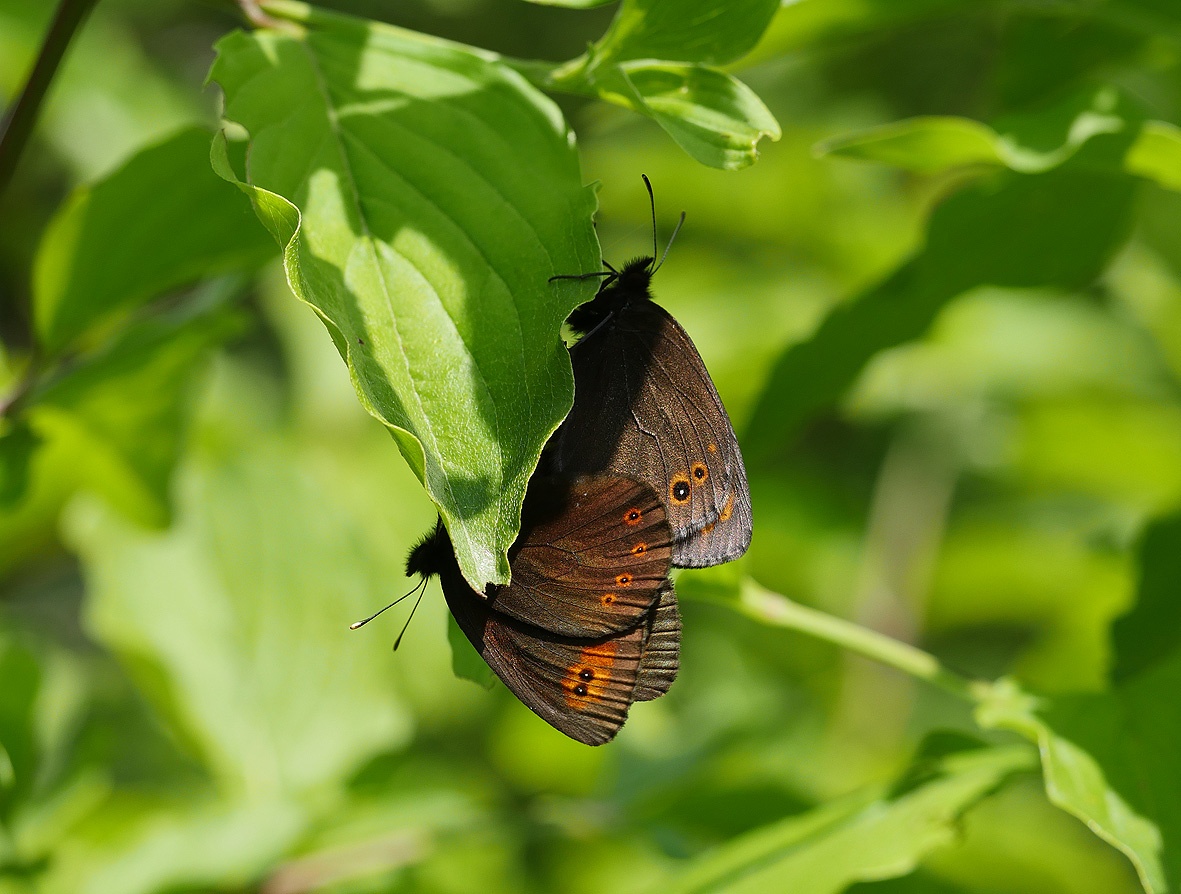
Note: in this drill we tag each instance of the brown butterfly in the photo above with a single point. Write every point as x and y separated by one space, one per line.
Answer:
645 406
589 623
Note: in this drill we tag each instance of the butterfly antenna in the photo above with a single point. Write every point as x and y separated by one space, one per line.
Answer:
421 584
680 223
652 206
405 626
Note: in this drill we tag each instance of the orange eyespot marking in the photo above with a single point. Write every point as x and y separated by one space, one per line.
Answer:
729 510
639 548
679 489
700 472
632 516
712 448
587 680
608 598
624 580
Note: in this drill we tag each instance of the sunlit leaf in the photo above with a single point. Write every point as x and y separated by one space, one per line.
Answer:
927 144
1030 143
710 31
161 221
714 117
869 836
1156 154
425 242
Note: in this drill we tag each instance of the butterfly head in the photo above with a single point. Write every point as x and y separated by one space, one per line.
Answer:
432 554
620 289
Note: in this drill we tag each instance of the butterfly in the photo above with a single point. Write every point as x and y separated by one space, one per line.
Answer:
645 406
589 622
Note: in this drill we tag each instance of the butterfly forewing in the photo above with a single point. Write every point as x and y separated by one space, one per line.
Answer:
645 406
591 557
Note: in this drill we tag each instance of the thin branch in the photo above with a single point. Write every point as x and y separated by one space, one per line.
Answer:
20 120
772 608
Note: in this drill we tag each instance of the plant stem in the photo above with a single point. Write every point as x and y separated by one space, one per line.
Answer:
20 120
772 608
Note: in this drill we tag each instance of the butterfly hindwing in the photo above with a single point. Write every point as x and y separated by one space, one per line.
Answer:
662 646
591 556
581 687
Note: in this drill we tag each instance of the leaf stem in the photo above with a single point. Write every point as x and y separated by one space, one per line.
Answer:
20 120
772 608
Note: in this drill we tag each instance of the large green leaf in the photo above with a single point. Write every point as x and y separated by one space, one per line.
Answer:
235 622
873 835
424 194
161 221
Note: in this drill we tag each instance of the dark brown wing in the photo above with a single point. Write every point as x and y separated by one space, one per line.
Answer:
662 647
581 687
644 405
591 556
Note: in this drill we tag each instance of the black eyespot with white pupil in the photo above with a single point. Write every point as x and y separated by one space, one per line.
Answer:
681 491
587 675
580 689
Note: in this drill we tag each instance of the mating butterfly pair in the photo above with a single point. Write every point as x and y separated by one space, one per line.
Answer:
644 474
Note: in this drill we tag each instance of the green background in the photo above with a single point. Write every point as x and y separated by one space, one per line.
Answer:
943 310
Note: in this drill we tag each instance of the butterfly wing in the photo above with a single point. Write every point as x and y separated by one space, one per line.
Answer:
591 558
645 405
581 687
662 647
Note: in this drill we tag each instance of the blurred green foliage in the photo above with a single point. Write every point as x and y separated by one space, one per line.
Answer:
943 309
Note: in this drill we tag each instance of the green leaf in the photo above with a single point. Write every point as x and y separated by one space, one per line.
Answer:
424 193
122 411
872 835
928 144
161 221
1030 143
1101 756
18 444
1055 229
1151 632
714 117
1156 154
18 746
144 848
1111 758
711 31
465 660
573 4
235 622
